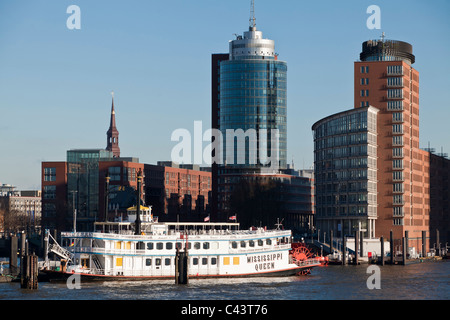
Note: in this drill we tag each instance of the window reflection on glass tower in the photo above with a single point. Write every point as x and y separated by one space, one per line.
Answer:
249 107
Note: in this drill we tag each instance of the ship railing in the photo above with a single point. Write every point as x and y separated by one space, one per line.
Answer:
307 262
241 235
262 249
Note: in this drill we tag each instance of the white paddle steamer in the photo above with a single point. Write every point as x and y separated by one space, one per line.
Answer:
115 252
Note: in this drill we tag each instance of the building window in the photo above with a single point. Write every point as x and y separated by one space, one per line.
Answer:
398 187
364 81
398 212
114 173
49 192
398 199
397 175
397 117
395 82
395 70
397 140
395 105
395 93
397 152
397 164
398 222
397 128
49 174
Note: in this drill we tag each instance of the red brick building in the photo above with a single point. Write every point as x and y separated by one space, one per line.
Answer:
385 79
54 194
177 192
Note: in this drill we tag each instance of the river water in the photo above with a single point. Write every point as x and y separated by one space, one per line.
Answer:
420 281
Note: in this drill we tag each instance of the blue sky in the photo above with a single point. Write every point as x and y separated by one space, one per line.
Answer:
55 83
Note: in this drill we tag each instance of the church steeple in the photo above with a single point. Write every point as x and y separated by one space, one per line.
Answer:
112 133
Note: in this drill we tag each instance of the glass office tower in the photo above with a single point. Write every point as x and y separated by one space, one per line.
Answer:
252 111
253 96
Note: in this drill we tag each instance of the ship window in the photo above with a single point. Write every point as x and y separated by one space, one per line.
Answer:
251 243
197 245
226 261
150 246
243 244
213 261
169 245
204 261
157 262
234 244
206 245
167 261
195 261
148 262
268 242
260 243
235 260
140 246
159 246
179 245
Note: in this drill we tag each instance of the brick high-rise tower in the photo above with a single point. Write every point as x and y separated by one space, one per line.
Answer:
385 79
113 134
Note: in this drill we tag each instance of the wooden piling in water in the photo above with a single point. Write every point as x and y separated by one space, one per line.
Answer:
181 267
331 241
424 242
13 265
404 251
391 247
29 275
344 251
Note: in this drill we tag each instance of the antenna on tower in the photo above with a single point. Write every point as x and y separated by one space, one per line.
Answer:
252 14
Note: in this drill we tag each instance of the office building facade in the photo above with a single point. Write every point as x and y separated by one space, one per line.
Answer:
345 167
